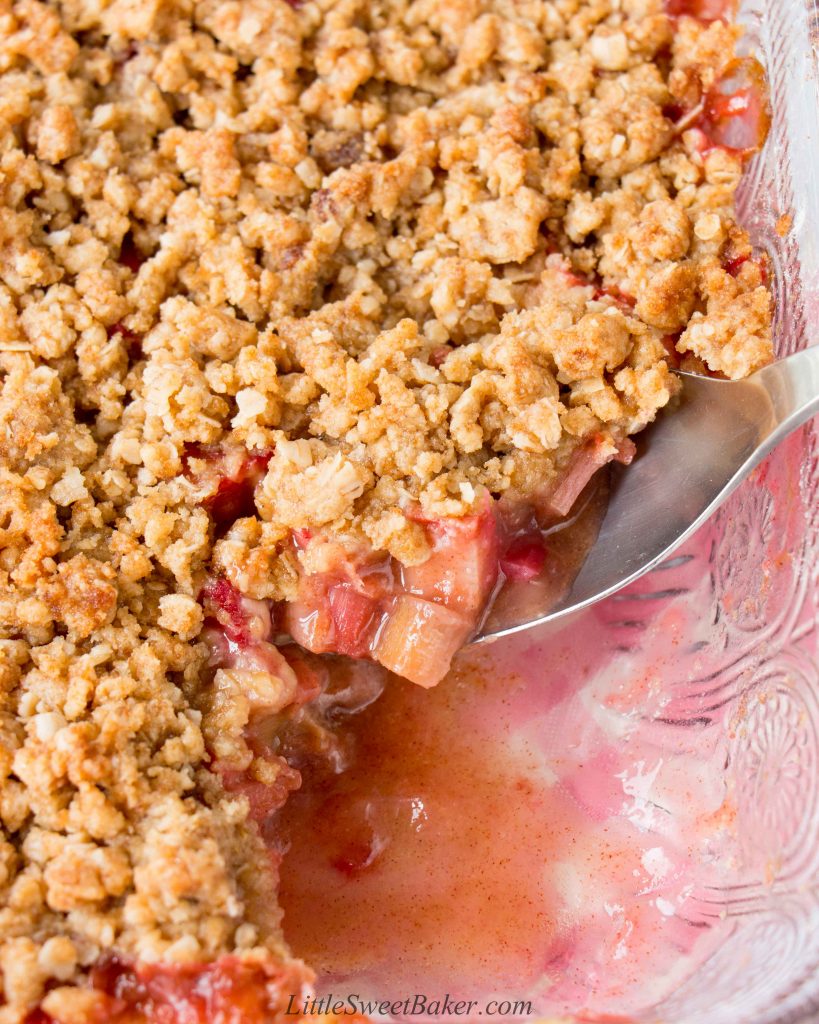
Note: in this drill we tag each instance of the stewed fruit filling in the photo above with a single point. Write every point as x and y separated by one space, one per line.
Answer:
227 991
354 601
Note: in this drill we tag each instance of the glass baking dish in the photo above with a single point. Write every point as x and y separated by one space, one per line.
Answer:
740 683
712 660
753 680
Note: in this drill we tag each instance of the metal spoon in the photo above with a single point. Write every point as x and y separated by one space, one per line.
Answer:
687 466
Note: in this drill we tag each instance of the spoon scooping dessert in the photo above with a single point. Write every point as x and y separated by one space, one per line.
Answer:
689 463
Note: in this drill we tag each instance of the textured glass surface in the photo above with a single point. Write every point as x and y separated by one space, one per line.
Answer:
762 600
749 673
729 625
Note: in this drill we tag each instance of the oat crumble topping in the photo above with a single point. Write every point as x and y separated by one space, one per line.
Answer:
405 252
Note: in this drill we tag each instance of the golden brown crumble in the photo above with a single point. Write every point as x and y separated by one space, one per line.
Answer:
412 249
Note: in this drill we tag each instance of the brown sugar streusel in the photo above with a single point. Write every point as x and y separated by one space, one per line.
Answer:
282 283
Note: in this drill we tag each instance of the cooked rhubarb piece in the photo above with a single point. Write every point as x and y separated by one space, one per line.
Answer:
420 638
129 255
253 670
524 557
462 569
255 659
243 620
584 463
228 991
702 10
362 610
338 612
265 786
238 631
736 110
575 279
353 614
228 474
624 301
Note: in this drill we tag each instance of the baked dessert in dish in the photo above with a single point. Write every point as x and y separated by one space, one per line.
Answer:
315 319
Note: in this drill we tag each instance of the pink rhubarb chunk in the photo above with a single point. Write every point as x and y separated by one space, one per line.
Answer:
462 570
736 111
230 475
584 463
525 557
702 10
420 638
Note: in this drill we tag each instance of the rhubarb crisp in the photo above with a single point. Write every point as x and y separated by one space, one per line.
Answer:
315 318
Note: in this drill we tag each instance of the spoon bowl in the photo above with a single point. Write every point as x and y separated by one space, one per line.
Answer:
689 462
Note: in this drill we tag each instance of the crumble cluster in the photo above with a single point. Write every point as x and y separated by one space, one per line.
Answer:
413 250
